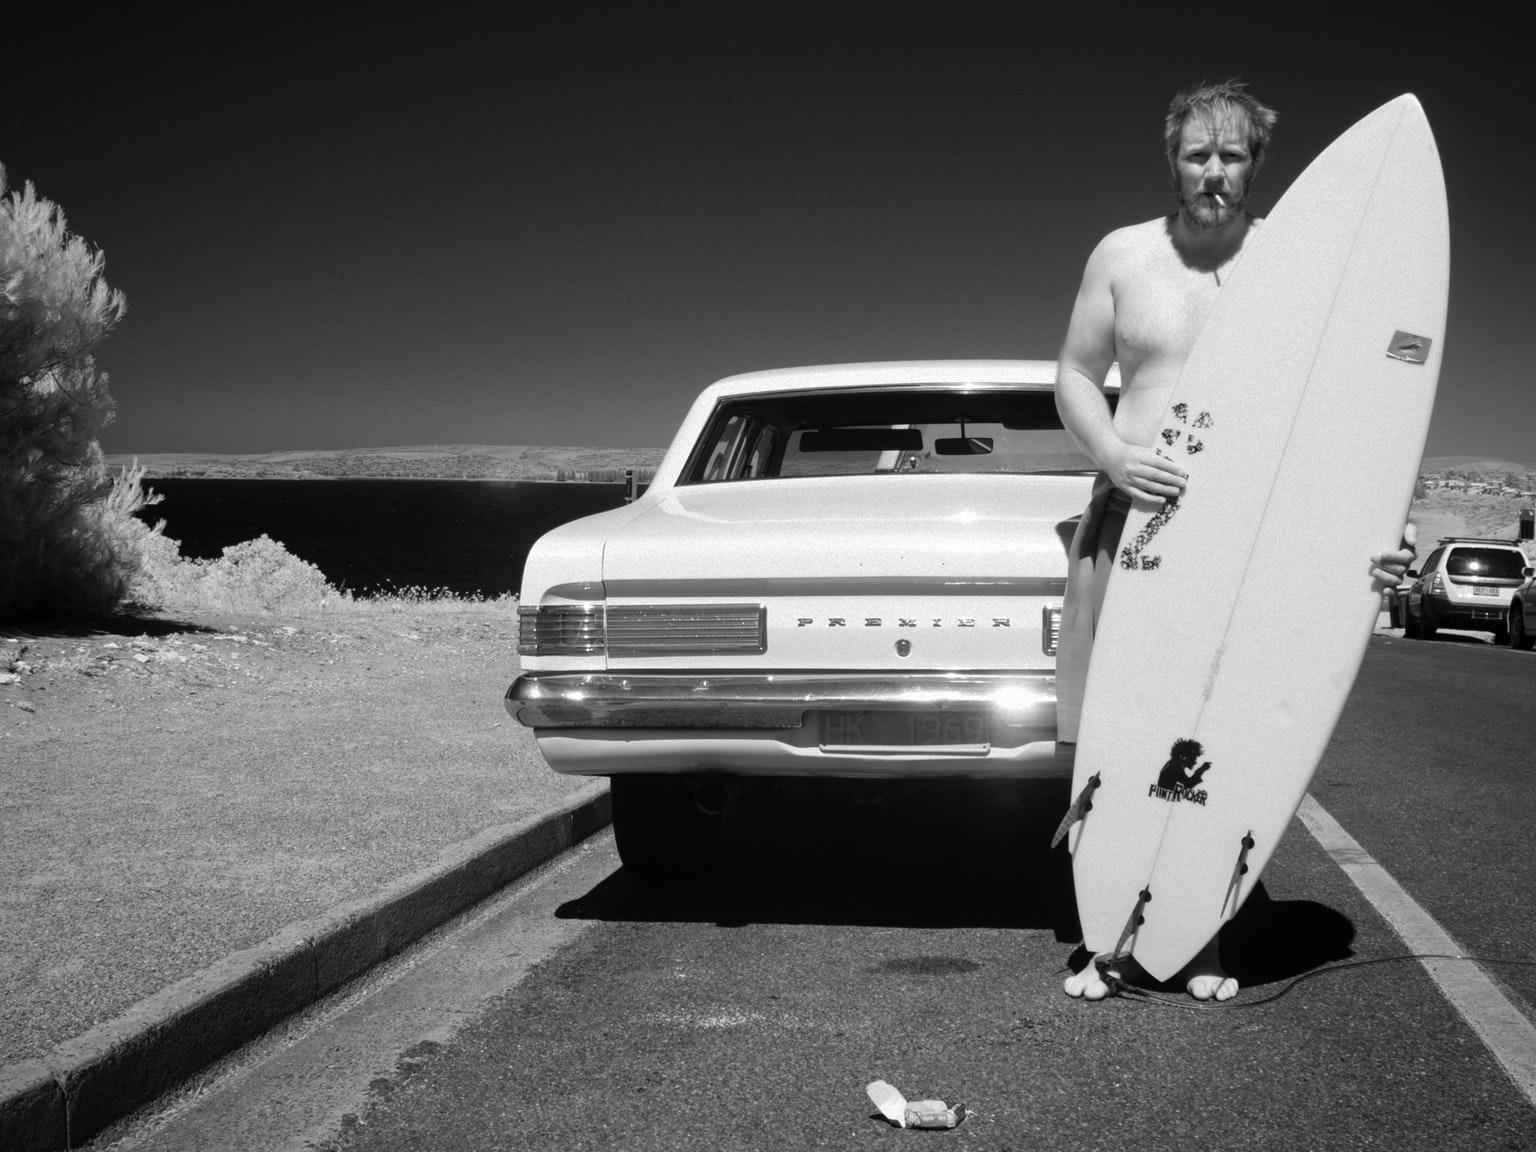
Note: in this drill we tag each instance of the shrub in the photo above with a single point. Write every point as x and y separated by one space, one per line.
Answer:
259 575
263 576
65 527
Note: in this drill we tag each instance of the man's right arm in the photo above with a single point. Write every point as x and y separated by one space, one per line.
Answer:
1084 362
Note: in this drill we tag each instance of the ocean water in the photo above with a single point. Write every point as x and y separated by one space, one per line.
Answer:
469 536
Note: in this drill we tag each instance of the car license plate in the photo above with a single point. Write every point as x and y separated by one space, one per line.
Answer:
1486 591
929 729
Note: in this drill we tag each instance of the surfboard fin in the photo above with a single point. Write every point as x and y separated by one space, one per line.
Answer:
1137 919
1238 873
1080 808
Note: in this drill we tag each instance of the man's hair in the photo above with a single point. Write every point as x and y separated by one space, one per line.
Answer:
1215 99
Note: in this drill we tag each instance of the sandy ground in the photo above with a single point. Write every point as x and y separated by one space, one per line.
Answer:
174 790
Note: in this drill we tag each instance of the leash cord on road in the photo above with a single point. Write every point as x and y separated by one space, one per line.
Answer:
1120 988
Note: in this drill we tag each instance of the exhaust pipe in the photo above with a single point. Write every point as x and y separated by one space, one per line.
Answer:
714 796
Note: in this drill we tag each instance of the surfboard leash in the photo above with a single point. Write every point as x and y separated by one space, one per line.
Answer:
1119 987
1105 964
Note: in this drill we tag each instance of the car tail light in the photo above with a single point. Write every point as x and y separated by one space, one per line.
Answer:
560 630
642 630
687 630
1050 628
1437 585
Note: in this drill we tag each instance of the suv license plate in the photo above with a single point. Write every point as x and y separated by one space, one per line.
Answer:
1486 591
927 729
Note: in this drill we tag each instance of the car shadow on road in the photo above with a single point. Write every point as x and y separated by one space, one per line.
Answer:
913 854
925 855
1449 636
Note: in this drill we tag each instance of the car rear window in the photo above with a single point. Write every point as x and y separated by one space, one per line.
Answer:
897 430
1499 563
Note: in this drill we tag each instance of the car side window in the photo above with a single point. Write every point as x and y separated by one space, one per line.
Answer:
1429 564
760 456
722 452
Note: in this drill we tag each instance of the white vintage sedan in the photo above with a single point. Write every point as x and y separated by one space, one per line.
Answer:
853 570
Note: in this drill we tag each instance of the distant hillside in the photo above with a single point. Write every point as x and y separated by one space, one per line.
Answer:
1480 465
1472 496
426 462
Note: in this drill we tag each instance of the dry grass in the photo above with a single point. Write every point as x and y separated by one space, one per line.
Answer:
417 599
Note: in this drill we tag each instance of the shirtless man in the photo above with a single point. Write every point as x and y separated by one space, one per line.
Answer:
1144 296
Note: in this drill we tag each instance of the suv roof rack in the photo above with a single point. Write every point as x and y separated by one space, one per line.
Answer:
1479 540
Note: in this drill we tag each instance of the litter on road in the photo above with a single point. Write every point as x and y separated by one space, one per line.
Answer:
906 1113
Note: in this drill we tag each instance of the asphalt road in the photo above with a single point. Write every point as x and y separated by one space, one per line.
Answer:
921 938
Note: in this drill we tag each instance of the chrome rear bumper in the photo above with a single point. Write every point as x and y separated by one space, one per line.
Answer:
769 700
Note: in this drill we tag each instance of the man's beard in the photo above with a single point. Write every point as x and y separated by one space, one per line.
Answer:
1201 211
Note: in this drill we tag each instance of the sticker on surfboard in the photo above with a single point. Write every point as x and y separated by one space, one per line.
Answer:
1409 347
1179 780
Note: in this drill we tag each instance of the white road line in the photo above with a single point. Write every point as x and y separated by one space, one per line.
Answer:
1496 1020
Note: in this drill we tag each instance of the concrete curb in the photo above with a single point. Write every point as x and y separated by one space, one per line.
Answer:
86 1083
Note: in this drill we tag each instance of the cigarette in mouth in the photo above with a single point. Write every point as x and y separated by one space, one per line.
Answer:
1221 201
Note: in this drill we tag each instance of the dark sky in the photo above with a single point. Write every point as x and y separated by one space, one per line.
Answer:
344 226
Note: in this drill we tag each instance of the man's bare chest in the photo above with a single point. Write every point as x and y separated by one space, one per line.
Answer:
1159 312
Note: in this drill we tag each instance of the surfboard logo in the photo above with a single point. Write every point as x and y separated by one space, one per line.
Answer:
1180 779
1133 556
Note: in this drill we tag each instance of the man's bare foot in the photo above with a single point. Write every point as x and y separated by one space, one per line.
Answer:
1089 983
1208 980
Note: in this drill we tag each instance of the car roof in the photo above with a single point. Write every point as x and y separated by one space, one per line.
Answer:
1032 374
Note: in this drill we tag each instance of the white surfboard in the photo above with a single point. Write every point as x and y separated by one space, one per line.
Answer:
1234 624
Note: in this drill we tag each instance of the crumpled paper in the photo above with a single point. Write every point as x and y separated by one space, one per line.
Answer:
906 1113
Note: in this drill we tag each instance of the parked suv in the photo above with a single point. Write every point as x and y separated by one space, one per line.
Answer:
1466 582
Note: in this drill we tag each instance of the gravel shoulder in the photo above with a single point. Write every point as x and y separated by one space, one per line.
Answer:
177 789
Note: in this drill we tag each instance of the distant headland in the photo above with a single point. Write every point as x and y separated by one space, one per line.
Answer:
1455 495
424 462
